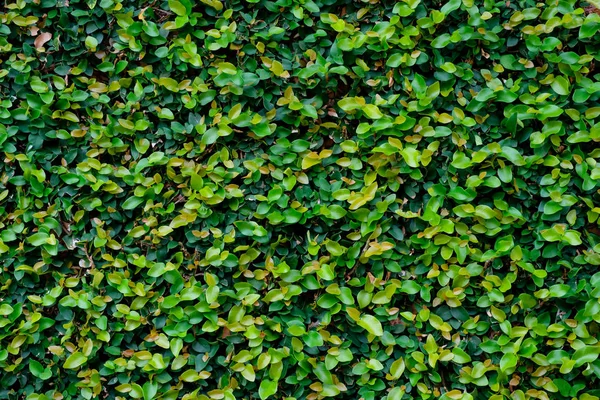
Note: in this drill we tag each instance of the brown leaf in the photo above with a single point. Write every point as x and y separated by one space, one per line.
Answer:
42 39
128 353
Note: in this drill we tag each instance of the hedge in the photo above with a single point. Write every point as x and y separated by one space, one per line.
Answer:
300 199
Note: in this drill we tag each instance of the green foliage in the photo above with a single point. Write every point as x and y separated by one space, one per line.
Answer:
251 199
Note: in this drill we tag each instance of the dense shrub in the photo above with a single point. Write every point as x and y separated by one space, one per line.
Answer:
299 199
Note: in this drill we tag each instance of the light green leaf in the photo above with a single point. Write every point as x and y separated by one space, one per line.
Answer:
38 239
586 354
91 43
5 309
75 360
371 325
267 389
508 362
411 156
561 85
372 111
177 7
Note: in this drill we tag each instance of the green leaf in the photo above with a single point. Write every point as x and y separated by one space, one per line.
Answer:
552 207
38 370
351 103
38 86
261 130
485 212
485 94
151 29
506 96
299 145
504 244
561 85
177 7
397 368
277 68
588 29
227 68
441 41
586 354
91 43
450 6
550 111
508 362
132 203
176 345
337 212
38 239
372 111
371 325
310 111
75 360
410 287
395 60
573 237
505 174
513 156
460 356
461 194
313 339
6 309
297 330
559 290
327 301
149 390
165 113
334 248
411 156
189 376
170 83
554 234
267 389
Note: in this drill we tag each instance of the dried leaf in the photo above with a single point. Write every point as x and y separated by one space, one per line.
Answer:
42 39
